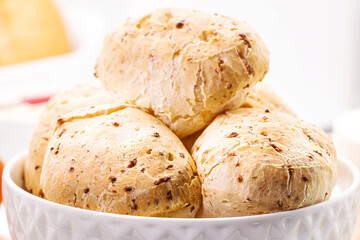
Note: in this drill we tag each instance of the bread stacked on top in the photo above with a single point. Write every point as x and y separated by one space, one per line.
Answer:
171 78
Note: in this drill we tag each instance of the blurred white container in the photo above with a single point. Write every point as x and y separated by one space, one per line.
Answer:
48 75
346 133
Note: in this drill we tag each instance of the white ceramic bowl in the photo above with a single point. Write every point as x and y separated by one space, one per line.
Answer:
33 218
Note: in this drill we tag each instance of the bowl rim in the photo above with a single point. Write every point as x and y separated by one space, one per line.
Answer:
353 188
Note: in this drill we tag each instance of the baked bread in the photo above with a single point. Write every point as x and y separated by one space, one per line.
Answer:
82 95
184 66
253 161
262 97
190 140
119 159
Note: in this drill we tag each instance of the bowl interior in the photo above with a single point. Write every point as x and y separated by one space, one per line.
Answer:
17 172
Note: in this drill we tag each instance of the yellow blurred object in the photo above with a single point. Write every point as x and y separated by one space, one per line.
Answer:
29 30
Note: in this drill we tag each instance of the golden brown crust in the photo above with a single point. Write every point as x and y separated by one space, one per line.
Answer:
190 140
262 97
119 159
183 65
272 162
82 95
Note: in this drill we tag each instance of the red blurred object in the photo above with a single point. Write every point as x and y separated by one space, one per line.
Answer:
17 100
36 100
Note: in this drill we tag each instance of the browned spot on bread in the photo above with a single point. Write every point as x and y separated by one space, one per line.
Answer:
290 170
179 24
128 188
134 206
264 133
233 134
61 133
220 64
42 194
115 124
169 195
273 145
246 86
56 150
319 153
132 163
112 179
305 178
308 135
244 37
60 121
170 157
161 180
247 65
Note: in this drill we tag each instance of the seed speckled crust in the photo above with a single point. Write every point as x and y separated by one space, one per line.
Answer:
281 170
120 174
201 63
